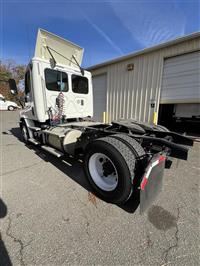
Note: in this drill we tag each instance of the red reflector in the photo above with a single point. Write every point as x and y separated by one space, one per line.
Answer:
143 184
162 158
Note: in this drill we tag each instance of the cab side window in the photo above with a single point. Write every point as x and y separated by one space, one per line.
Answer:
27 82
56 80
79 84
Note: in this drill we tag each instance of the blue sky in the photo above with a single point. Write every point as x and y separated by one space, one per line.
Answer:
106 29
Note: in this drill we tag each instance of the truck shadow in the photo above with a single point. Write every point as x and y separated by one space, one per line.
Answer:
74 169
4 256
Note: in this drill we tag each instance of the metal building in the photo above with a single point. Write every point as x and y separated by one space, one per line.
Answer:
135 85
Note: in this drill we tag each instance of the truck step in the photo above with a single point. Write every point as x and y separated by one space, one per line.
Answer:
35 128
35 142
53 151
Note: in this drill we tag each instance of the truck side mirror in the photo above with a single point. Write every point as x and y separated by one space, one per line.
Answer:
13 86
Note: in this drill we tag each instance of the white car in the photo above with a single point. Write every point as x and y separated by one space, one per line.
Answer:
7 105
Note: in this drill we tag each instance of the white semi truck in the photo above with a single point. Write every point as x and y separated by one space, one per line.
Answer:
121 158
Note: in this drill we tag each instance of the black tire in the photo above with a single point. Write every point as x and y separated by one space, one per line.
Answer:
24 131
139 154
132 144
124 162
11 108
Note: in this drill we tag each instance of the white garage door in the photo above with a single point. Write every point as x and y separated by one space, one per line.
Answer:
181 79
99 92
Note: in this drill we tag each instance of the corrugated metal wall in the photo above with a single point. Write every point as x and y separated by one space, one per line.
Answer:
129 93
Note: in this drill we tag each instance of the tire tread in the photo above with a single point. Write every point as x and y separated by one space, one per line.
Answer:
132 143
125 152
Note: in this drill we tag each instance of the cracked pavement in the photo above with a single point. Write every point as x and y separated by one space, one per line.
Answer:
175 245
47 217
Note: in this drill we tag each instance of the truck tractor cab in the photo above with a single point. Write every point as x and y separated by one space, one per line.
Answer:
56 87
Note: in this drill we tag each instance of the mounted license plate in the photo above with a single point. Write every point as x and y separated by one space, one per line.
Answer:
151 183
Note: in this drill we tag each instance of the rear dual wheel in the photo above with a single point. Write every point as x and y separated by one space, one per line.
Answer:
110 167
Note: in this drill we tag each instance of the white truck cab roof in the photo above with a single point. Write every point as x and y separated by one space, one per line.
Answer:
48 45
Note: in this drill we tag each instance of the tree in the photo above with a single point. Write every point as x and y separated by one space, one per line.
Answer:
9 69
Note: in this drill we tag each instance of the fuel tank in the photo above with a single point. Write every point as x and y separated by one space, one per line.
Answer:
63 139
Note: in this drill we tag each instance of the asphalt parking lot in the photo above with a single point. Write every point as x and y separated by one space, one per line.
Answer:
48 217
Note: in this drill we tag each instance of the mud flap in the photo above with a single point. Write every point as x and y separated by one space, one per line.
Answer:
151 183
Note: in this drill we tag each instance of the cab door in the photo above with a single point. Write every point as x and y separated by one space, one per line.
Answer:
29 110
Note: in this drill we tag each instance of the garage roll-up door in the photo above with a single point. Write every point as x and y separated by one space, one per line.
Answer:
181 79
99 92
